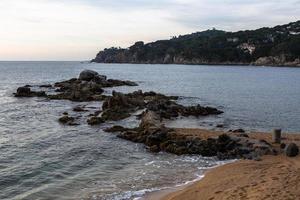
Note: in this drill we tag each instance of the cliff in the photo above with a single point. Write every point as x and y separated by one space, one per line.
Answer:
279 45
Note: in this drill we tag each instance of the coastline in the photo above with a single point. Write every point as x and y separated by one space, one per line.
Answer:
272 177
200 64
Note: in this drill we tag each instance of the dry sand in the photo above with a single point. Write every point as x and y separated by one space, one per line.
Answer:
274 177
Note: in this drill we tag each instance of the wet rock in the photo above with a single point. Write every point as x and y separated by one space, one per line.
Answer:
114 129
26 92
119 106
220 126
292 150
115 83
46 86
66 120
79 109
95 121
88 87
154 149
157 137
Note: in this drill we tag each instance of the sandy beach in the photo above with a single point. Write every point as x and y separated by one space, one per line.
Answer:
273 177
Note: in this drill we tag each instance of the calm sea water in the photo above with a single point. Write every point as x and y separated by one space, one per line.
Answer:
41 159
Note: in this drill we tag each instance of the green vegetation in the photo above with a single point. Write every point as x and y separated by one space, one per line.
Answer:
279 45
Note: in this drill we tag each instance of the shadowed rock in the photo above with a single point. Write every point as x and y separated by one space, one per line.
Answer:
66 120
26 92
88 87
157 137
95 121
292 150
120 106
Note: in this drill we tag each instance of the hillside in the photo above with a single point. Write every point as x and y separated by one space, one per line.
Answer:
279 45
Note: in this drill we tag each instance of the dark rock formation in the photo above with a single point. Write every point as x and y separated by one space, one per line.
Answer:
67 120
157 137
79 109
95 121
119 106
88 87
89 75
115 129
26 92
292 150
46 86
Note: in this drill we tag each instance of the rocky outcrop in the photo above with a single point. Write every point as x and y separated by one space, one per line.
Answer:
89 75
119 106
88 87
67 120
26 92
95 121
276 61
157 137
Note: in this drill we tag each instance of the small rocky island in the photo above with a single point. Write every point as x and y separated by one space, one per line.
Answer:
155 109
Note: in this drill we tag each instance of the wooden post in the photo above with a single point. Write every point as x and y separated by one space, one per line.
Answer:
276 136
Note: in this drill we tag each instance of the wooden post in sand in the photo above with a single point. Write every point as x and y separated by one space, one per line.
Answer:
276 136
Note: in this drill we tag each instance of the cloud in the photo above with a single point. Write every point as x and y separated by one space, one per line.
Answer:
77 29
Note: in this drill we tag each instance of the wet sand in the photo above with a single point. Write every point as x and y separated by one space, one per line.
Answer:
274 177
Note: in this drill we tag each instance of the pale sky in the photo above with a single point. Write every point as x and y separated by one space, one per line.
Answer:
78 29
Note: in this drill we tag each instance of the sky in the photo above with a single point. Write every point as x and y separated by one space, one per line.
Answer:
78 29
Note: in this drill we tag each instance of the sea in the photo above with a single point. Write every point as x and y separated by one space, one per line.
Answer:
41 159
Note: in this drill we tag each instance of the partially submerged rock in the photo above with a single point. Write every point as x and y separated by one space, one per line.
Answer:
88 87
27 92
157 137
120 106
66 120
79 109
95 121
115 129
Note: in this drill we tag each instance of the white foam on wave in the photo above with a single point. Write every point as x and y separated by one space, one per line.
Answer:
138 195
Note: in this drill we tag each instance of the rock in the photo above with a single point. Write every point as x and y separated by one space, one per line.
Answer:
26 92
95 121
239 131
154 149
292 150
78 109
89 87
116 129
119 106
65 113
220 126
66 120
88 75
46 86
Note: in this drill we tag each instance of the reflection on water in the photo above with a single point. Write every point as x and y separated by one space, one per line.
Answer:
41 159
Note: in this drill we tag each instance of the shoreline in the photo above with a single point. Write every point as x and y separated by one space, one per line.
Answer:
248 176
162 193
202 64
